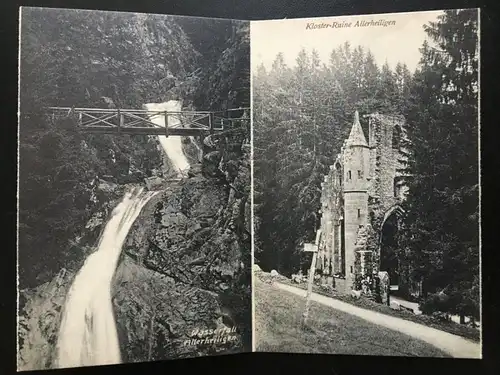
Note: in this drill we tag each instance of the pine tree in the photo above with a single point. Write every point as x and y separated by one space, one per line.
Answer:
404 81
369 91
388 92
442 225
302 114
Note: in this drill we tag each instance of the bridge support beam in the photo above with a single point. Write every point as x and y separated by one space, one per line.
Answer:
120 120
166 124
185 132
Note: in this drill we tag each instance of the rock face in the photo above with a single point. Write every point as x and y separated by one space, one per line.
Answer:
186 264
39 322
40 308
183 284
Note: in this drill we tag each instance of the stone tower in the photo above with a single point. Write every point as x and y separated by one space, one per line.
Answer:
363 189
356 177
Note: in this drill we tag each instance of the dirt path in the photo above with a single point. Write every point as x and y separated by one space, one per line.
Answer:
454 345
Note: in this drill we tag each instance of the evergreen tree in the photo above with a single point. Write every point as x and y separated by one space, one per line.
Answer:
404 81
442 224
302 114
370 87
388 93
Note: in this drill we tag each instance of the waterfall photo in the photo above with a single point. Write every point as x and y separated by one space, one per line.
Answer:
366 184
134 208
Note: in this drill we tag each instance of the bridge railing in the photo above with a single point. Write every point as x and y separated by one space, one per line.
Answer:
229 117
142 121
133 117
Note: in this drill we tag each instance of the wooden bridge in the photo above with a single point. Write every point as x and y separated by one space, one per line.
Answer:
141 122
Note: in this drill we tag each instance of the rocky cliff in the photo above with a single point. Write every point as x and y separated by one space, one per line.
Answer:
186 264
40 308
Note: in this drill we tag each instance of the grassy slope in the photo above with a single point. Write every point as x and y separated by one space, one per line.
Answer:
277 329
450 327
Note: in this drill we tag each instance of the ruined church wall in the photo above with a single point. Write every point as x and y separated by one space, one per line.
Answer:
332 207
371 192
387 164
332 212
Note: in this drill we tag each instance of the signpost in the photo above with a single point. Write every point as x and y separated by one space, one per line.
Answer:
313 248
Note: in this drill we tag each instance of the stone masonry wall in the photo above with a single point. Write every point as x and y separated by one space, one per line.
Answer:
332 212
381 166
388 163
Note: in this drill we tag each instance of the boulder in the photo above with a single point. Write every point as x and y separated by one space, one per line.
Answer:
211 163
297 278
107 186
153 183
194 170
157 315
356 294
39 321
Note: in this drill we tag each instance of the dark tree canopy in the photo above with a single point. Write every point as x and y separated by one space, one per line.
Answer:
102 59
442 227
303 113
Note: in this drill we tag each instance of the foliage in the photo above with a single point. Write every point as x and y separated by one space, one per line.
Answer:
79 58
303 113
224 78
441 228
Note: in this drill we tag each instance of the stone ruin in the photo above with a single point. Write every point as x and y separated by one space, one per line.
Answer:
363 189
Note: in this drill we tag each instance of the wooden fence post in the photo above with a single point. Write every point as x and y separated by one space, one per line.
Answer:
310 282
210 121
120 121
166 123
314 249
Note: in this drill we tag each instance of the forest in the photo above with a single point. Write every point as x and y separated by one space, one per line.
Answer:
78 58
302 115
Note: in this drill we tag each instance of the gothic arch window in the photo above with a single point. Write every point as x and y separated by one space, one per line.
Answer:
396 137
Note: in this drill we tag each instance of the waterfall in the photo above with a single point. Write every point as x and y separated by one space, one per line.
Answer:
88 335
171 145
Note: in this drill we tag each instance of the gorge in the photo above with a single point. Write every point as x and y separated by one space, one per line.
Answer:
87 335
182 264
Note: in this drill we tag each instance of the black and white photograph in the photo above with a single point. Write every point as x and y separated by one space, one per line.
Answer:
134 188
366 184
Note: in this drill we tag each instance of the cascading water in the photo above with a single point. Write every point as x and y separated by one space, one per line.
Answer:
171 145
88 335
